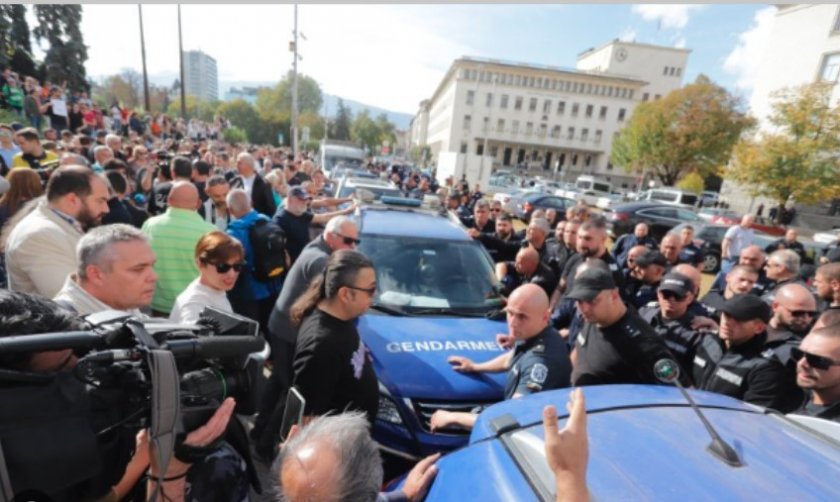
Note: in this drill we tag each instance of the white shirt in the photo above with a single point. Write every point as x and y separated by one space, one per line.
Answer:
739 238
248 184
192 301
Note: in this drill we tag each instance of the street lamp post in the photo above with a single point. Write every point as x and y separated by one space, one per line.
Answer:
181 59
294 125
146 100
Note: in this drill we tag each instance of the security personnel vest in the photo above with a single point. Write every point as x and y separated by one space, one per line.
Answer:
679 336
540 363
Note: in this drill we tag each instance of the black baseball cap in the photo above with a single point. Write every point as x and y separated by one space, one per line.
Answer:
299 192
591 282
747 308
676 283
651 257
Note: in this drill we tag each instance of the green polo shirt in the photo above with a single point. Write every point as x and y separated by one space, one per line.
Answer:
173 236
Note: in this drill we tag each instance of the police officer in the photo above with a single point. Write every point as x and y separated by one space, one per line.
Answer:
690 253
539 360
754 257
736 362
639 237
789 241
615 345
648 270
671 318
526 269
818 373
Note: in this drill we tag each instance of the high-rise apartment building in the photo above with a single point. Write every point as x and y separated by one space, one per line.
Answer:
201 77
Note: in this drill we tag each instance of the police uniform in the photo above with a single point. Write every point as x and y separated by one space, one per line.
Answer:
690 254
827 412
781 341
680 338
539 363
543 277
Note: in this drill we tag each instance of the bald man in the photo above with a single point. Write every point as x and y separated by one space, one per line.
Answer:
527 269
754 257
173 236
671 246
539 360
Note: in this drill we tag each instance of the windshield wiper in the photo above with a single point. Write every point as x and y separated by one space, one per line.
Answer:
394 311
447 311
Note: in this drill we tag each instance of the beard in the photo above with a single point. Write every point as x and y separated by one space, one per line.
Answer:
87 219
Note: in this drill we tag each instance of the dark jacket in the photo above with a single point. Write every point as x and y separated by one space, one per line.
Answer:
262 197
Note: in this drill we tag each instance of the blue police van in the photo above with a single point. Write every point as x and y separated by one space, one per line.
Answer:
435 289
646 443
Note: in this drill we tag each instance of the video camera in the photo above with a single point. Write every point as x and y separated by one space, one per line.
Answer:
57 430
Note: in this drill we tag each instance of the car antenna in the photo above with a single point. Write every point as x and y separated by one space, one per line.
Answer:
668 371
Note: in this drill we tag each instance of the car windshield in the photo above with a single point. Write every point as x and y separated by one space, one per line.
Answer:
423 275
378 192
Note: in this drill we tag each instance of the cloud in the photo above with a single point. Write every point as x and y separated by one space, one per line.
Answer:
669 16
745 59
681 43
628 35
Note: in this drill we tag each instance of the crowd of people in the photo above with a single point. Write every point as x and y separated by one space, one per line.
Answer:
164 224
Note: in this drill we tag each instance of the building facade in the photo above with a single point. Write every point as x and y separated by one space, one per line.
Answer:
249 94
546 118
201 76
804 47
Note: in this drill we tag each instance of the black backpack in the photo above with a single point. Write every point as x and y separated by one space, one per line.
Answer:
268 241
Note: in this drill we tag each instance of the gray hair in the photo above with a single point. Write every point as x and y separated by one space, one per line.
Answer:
246 156
100 148
359 473
335 224
786 258
96 246
542 224
481 203
112 137
238 201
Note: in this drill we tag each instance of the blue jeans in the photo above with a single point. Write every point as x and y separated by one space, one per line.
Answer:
726 264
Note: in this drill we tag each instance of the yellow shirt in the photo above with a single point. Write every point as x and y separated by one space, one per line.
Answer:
28 161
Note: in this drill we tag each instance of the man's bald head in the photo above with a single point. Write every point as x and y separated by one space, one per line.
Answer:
635 252
692 273
527 311
671 246
794 308
527 261
752 256
184 195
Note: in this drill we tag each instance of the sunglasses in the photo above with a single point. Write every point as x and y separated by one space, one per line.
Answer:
814 361
224 268
369 291
349 240
670 295
801 313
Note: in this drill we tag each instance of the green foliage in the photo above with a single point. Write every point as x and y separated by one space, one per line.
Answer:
235 135
7 117
65 58
691 130
196 108
800 159
372 133
692 182
275 104
340 128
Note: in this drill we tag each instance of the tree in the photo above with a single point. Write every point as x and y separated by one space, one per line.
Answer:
692 182
341 127
275 104
800 158
691 130
135 85
15 44
365 131
234 135
115 88
65 58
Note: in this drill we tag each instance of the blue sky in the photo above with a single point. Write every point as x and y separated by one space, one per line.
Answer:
393 56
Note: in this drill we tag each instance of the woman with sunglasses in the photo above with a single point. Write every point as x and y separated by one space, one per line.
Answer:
220 258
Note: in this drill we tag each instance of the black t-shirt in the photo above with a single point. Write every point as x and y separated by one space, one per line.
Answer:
625 352
158 201
297 230
332 367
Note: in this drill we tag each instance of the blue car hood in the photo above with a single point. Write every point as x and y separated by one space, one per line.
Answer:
410 353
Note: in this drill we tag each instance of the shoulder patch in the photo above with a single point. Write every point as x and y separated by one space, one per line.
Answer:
539 372
652 303
768 354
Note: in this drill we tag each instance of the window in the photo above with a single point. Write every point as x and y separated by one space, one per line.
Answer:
588 88
584 134
517 104
530 81
543 130
632 93
574 159
470 97
609 166
463 147
467 122
532 105
561 107
488 102
645 96
486 124
571 134
500 125
665 71
515 127
494 151
547 106
603 114
504 103
575 109
589 110
679 71
479 149
598 134
555 131
610 91
588 160
836 27
529 128
831 68
621 113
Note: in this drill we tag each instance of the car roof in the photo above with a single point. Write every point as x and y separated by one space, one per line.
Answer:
410 222
632 206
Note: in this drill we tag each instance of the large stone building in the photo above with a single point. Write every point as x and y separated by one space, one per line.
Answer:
804 47
201 77
557 119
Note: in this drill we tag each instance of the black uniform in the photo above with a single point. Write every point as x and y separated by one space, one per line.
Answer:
332 367
543 277
781 341
680 338
570 270
690 254
794 246
770 295
625 352
749 371
640 294
828 412
539 363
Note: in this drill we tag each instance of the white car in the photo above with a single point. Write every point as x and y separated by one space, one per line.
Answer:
827 237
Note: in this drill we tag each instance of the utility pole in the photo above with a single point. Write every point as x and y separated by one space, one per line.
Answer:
294 125
181 58
143 55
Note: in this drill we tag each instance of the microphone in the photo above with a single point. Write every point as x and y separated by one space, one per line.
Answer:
51 341
215 347
668 371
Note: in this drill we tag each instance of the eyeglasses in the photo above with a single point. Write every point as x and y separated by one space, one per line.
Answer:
496 210
671 295
369 291
349 240
814 361
801 313
224 268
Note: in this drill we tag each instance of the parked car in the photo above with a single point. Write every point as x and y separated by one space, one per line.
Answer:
510 198
647 443
762 224
827 237
524 209
708 237
707 213
673 196
661 218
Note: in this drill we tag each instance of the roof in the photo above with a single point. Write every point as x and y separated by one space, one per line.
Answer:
409 222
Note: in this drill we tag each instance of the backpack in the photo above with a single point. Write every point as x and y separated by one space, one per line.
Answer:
268 241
